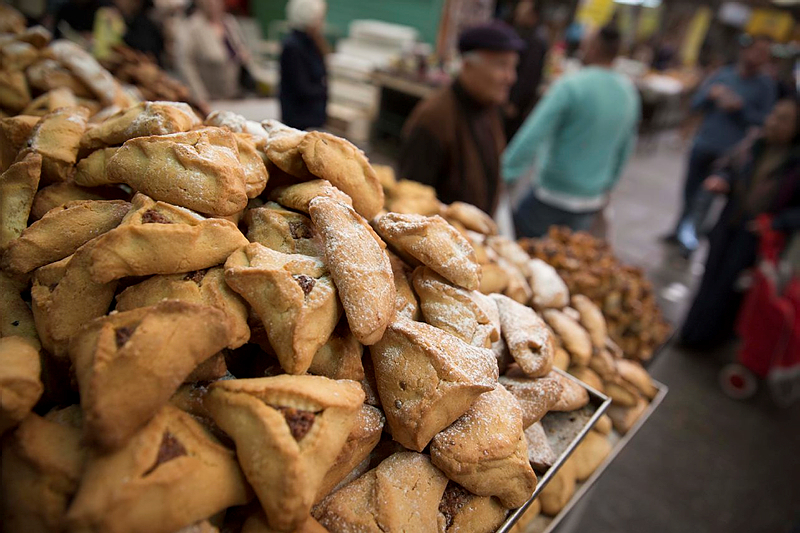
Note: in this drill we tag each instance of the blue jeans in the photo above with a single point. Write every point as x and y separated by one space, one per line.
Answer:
533 218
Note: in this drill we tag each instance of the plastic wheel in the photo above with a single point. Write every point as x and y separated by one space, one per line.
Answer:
738 382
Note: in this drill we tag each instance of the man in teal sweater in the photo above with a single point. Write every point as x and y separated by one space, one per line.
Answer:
580 135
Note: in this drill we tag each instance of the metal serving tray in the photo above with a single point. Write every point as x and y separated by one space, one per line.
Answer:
546 524
564 432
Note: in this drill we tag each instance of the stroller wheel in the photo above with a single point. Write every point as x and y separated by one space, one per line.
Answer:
737 381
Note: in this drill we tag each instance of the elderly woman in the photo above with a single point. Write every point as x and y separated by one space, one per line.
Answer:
304 87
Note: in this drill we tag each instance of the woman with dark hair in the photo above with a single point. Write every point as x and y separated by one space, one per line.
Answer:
761 176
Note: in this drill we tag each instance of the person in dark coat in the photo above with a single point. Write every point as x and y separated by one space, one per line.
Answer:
304 84
762 176
453 139
525 93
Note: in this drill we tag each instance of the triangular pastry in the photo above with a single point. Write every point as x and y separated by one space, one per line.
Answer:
466 314
294 296
485 450
199 170
540 453
170 474
434 243
64 297
471 218
427 378
575 339
341 355
460 511
61 232
527 336
20 384
359 265
288 431
383 500
56 138
42 462
18 186
298 196
158 238
363 438
58 194
535 396
283 230
206 287
573 396
91 171
140 120
129 364
406 303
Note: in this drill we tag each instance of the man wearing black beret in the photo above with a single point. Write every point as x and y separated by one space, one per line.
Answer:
453 139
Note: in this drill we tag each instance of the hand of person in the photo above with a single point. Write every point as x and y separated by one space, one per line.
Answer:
716 184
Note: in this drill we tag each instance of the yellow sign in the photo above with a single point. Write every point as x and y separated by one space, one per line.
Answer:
649 22
595 13
695 35
771 22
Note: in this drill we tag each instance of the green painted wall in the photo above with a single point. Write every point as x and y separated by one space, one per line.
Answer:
423 15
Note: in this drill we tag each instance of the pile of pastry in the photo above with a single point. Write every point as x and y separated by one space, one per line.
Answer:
38 75
136 68
626 297
215 324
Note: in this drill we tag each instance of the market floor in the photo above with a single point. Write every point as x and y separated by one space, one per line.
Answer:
702 462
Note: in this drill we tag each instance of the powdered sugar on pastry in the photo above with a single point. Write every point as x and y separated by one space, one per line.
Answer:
549 290
359 266
526 335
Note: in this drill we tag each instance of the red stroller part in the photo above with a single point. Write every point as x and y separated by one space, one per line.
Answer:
769 327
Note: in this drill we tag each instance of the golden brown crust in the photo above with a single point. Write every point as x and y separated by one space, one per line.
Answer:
56 138
463 313
485 450
346 167
380 500
255 172
572 397
50 101
91 171
169 475
283 459
61 232
592 319
14 92
362 439
199 170
624 417
207 287
340 356
359 266
294 296
17 189
406 303
141 120
283 230
559 491
64 297
460 511
471 218
636 375
588 376
535 396
129 364
14 132
528 339
434 243
42 463
20 385
590 454
427 378
58 194
298 196
141 249
412 197
574 338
